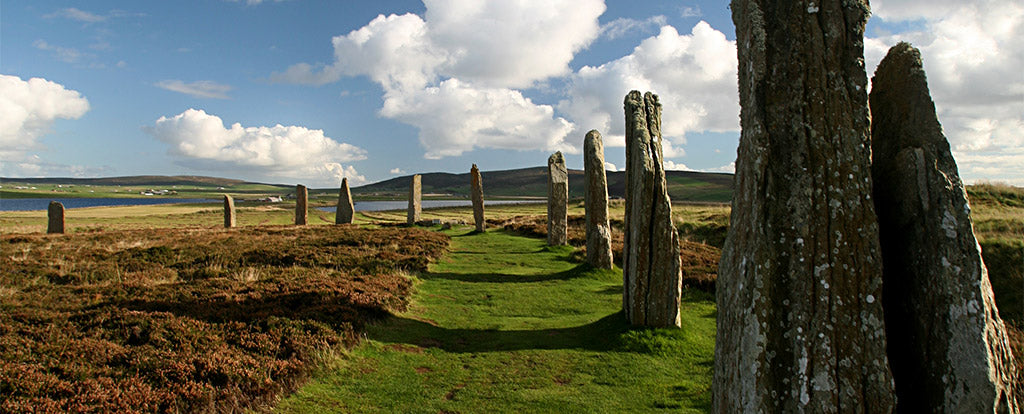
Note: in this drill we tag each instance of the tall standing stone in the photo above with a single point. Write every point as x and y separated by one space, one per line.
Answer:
346 211
301 201
476 192
558 198
652 278
229 212
948 347
55 218
800 281
415 195
595 189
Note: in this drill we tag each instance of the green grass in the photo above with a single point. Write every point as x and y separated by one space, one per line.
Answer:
507 324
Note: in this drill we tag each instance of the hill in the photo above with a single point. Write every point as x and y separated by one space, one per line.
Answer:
532 182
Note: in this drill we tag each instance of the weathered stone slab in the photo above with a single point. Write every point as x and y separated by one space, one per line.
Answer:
229 212
345 212
948 348
477 194
800 282
558 198
652 278
301 203
55 218
595 188
415 195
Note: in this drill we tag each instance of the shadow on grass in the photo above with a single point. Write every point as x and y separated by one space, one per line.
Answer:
580 270
600 335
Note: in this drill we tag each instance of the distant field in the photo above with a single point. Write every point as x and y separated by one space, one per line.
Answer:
11 190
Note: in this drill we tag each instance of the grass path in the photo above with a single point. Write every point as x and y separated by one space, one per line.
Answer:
506 324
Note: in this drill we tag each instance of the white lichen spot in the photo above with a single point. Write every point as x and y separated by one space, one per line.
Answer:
870 298
945 262
800 241
972 306
949 224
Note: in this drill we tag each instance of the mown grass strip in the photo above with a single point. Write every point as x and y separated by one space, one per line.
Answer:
506 324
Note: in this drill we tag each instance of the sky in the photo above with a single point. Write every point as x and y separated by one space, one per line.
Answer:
310 91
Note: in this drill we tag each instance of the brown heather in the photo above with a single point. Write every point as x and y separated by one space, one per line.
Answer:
190 320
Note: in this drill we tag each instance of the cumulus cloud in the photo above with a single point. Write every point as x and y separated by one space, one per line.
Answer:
397 170
669 165
694 75
202 141
454 118
727 168
29 108
464 58
973 57
198 89
610 167
511 44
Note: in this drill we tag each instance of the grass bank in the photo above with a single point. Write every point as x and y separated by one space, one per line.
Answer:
506 324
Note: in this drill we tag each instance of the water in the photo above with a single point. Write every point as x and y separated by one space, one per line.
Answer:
404 204
22 204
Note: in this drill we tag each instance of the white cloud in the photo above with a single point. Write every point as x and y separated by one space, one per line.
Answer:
452 72
29 108
397 170
621 26
897 10
511 43
973 57
454 118
994 166
198 89
728 168
202 142
76 14
25 165
694 76
687 11
610 167
669 165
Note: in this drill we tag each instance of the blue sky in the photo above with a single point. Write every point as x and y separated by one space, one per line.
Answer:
371 90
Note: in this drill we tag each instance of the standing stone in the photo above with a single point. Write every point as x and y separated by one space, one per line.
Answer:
301 201
55 216
476 192
345 211
229 212
948 347
558 198
800 281
652 278
415 194
595 188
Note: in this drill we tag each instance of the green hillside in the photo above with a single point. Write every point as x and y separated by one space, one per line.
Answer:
532 182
